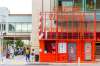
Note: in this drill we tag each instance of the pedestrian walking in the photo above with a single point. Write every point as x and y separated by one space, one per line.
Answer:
36 53
28 55
8 53
11 52
32 55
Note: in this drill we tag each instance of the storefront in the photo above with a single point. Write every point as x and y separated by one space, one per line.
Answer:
67 37
67 51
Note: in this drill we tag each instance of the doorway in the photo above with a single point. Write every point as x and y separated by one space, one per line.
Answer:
71 52
97 50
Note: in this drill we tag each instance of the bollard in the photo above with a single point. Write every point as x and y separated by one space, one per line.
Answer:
78 61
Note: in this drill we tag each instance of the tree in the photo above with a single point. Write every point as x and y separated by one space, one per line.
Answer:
8 42
19 43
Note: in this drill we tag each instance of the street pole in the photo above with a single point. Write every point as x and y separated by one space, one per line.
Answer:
1 44
78 61
0 48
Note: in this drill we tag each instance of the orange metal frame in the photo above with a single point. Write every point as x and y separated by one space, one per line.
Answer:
79 37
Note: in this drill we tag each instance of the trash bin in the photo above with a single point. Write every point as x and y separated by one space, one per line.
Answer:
36 58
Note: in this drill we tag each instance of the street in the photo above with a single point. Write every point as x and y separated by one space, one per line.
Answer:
50 64
15 60
20 61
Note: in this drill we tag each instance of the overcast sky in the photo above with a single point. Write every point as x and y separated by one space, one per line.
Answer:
17 6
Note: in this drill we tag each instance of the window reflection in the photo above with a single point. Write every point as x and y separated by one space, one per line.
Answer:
12 27
29 28
24 27
78 3
90 4
97 4
70 3
2 27
19 27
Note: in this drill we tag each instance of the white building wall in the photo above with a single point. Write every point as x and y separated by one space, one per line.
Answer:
36 9
4 16
3 19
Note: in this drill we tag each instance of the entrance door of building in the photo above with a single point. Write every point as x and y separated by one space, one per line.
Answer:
71 52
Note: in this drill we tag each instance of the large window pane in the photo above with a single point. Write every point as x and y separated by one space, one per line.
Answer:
97 4
18 27
71 3
4 27
0 27
62 47
90 5
24 27
59 3
67 3
88 51
29 27
11 27
78 3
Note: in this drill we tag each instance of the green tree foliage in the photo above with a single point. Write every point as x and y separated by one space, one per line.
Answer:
19 43
9 42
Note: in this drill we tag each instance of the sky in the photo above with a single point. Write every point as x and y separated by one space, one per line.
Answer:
17 6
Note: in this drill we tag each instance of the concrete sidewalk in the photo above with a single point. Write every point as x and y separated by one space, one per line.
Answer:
15 60
50 64
20 60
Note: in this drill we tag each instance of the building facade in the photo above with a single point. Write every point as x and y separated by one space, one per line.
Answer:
19 25
3 20
47 8
14 27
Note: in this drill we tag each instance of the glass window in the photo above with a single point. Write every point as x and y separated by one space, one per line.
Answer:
11 27
67 3
4 27
88 51
0 27
18 27
62 48
90 5
24 27
97 4
59 3
78 3
29 27
50 47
